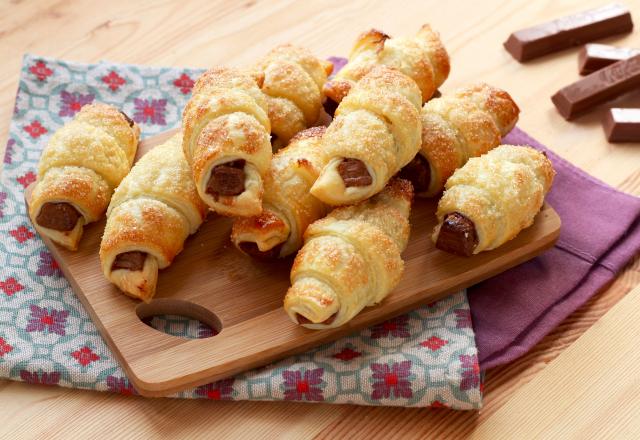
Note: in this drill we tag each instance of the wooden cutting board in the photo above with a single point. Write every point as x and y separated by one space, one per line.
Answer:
242 298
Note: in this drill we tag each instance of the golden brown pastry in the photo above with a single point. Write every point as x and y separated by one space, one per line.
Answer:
376 131
288 207
467 123
491 199
152 212
79 169
226 140
293 81
350 259
422 57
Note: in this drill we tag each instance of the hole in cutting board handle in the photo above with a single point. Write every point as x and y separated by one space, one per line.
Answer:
175 317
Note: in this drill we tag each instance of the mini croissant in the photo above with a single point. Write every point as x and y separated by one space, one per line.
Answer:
491 199
226 140
376 132
152 212
293 81
82 164
288 208
467 123
422 57
350 259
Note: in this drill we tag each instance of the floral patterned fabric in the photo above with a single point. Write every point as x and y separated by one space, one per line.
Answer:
426 357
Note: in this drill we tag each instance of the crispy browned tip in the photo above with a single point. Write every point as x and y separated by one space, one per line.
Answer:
336 90
327 66
372 37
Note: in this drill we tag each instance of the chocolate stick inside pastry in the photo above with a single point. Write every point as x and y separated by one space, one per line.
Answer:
226 140
288 207
467 123
422 57
151 214
293 81
350 259
491 199
375 133
79 168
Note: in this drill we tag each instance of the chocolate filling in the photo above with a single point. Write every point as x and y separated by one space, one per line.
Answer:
418 173
354 173
330 106
227 179
302 320
129 120
133 261
457 235
251 248
58 216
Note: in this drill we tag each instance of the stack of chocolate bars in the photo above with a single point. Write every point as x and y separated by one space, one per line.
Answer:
611 71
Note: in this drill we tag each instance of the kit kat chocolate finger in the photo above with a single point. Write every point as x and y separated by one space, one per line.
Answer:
594 57
598 87
622 124
569 31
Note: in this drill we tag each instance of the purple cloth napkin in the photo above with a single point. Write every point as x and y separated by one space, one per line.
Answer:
600 235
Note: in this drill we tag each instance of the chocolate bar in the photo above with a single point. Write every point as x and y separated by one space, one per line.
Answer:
622 125
594 57
598 87
569 31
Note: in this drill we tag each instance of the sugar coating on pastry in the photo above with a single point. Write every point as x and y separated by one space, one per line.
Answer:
153 211
455 127
422 57
500 192
351 259
79 168
226 120
288 207
377 128
293 81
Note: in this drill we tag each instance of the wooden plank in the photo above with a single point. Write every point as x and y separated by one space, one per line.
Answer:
590 391
242 298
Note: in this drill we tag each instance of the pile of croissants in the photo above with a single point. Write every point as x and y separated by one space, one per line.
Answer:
322 167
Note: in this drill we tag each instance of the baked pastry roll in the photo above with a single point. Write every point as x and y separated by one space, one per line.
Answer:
491 199
467 123
376 131
152 212
422 57
226 140
350 259
79 168
288 207
293 81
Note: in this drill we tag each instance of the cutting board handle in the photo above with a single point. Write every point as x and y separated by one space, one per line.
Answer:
172 306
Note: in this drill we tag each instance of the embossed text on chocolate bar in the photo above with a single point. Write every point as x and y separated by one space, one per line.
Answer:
594 57
598 87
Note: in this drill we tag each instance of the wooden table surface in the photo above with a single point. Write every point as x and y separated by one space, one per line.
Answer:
205 33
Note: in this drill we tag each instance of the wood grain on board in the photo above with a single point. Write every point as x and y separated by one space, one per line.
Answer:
202 33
